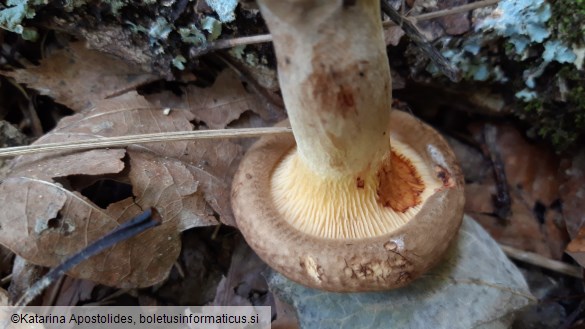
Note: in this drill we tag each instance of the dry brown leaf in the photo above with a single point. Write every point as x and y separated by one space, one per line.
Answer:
24 274
573 196
78 77
204 258
577 248
244 277
70 292
521 231
218 105
244 281
531 168
46 219
393 35
532 178
4 298
454 24
573 192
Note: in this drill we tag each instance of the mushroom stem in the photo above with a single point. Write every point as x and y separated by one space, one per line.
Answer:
337 207
335 80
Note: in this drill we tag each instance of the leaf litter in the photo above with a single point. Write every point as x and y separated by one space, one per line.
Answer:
47 217
219 105
535 224
55 170
79 78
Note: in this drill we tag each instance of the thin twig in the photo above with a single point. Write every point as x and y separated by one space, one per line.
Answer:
419 39
455 10
180 269
129 229
261 38
116 141
6 279
541 261
229 43
35 122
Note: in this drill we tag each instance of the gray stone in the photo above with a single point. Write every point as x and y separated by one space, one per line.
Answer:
476 286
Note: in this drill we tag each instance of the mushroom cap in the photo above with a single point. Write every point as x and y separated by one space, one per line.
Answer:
382 262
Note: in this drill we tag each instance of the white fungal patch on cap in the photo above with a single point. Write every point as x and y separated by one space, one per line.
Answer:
312 268
437 155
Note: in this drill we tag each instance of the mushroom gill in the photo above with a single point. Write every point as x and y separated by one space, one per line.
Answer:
353 206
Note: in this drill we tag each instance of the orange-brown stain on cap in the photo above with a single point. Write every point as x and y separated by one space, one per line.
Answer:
400 186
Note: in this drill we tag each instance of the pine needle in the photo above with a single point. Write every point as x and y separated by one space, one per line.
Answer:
122 141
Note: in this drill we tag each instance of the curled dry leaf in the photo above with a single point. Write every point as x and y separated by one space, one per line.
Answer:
573 192
577 248
78 77
46 218
573 196
244 278
393 35
70 292
454 24
220 104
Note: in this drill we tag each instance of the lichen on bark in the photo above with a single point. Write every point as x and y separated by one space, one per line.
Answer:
534 50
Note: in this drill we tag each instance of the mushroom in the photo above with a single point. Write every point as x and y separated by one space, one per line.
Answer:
361 198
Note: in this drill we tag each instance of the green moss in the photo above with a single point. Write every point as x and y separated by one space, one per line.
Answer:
533 106
567 20
558 114
543 43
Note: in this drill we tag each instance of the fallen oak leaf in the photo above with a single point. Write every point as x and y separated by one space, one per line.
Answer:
220 104
45 224
78 77
130 228
533 191
47 217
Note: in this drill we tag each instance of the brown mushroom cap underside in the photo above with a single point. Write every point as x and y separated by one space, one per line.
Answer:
384 262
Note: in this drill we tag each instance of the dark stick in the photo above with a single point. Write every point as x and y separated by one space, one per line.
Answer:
131 228
574 316
419 39
502 200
